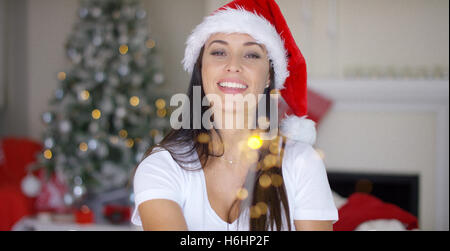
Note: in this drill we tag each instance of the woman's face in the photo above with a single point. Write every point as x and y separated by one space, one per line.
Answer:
234 64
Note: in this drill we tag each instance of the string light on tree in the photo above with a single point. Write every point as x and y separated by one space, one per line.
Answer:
48 154
83 147
62 76
96 114
123 133
123 49
150 43
84 95
134 101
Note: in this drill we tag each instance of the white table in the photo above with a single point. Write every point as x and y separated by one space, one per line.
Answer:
32 224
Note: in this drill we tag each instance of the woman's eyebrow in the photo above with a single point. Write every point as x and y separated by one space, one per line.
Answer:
245 44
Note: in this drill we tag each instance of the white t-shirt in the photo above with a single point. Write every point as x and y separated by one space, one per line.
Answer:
308 191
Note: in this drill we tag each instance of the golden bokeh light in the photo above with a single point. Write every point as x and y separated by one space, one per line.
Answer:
262 207
134 101
274 148
48 154
277 180
114 140
129 143
161 113
85 95
243 146
255 212
150 43
83 147
62 75
123 133
203 138
265 181
160 103
242 194
251 156
154 132
96 114
123 49
270 161
275 92
255 142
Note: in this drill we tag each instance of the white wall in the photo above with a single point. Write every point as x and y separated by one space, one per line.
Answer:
2 52
366 33
49 24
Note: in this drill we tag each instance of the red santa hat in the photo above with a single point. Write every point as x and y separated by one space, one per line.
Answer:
263 20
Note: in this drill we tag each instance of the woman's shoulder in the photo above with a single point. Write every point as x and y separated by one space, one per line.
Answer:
295 150
158 155
160 159
300 156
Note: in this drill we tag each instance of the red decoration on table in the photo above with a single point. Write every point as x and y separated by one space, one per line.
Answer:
84 215
117 214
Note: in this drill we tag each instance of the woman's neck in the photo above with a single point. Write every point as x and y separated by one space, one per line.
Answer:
229 142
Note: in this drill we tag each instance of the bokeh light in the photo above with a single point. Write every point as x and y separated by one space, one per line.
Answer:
123 133
160 103
255 142
242 194
83 147
62 75
203 138
96 114
123 49
277 180
265 181
48 154
134 101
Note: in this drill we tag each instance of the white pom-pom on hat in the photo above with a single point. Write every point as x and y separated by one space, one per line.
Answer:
299 129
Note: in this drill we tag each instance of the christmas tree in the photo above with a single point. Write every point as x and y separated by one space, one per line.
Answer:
105 113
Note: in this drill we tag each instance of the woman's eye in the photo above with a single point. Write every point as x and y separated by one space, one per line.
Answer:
253 55
217 53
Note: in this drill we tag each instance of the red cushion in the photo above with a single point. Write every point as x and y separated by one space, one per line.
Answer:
17 155
14 206
362 207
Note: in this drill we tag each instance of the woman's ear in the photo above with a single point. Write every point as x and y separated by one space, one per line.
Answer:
268 80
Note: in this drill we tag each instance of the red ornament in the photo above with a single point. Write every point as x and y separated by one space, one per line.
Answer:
117 214
84 215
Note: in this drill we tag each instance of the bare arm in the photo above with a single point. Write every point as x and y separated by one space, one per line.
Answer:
162 215
313 225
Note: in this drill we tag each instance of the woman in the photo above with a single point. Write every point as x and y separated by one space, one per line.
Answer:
229 179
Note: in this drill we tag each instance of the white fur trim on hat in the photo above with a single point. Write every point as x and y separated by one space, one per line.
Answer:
239 20
299 129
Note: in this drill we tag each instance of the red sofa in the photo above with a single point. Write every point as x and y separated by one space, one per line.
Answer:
15 156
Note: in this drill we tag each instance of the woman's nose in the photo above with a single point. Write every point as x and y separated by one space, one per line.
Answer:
234 65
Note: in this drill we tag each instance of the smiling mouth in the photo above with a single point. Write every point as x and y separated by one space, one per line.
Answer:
232 85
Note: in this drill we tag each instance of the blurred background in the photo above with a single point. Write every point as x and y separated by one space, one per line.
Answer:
85 86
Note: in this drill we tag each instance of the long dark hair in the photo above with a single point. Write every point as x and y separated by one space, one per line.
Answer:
264 201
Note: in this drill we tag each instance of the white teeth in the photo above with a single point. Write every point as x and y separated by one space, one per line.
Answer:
233 85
